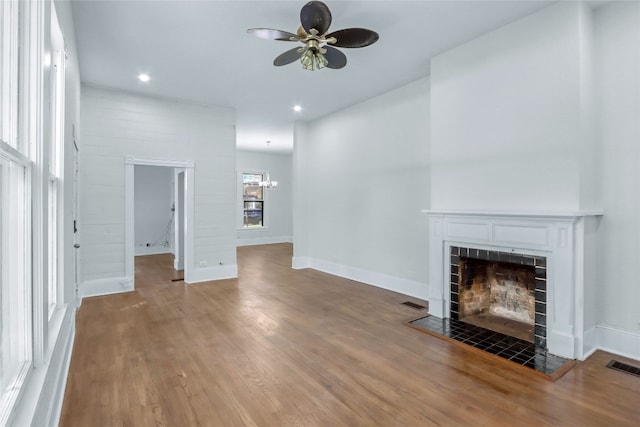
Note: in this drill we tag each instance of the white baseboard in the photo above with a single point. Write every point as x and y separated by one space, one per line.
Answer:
112 285
436 307
41 404
589 342
206 274
561 344
264 240
152 250
115 285
300 262
380 280
618 341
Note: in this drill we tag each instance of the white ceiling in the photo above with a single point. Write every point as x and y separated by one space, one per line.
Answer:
199 51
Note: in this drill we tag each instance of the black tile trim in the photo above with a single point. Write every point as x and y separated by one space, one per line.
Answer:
539 263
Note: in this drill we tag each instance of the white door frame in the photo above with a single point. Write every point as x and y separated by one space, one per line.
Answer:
188 165
75 212
178 215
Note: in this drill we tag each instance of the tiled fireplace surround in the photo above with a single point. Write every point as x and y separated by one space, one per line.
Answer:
537 264
561 240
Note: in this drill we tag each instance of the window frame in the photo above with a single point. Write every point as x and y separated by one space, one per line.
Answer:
9 65
55 171
260 200
23 94
266 203
12 384
16 292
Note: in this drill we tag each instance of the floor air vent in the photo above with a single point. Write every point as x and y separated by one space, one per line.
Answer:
623 367
414 305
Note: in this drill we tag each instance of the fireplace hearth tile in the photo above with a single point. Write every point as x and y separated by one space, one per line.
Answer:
506 347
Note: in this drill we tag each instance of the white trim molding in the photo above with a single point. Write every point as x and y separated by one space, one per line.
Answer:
300 262
131 160
564 239
189 167
112 285
373 278
41 404
263 240
618 341
206 274
152 250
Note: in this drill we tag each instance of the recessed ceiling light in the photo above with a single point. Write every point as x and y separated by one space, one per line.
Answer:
143 77
297 108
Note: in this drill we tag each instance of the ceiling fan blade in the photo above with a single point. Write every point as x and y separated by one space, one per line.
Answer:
335 58
271 34
288 57
315 14
354 37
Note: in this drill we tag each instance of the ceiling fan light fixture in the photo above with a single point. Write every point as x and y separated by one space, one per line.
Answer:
307 60
312 59
321 61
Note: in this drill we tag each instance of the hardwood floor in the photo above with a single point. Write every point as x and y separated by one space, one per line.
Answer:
280 347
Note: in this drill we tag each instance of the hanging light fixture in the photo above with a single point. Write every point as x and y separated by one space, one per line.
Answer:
267 183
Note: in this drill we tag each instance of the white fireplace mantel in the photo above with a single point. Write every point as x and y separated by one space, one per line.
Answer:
566 239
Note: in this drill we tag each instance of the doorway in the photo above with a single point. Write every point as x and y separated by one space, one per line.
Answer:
180 235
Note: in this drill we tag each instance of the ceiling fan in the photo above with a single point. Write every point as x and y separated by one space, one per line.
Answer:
318 49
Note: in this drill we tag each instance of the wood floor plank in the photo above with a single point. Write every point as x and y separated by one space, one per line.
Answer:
283 347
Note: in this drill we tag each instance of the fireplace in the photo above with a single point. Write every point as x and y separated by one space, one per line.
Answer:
500 291
550 256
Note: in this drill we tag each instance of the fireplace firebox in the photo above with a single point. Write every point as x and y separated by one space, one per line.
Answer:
500 291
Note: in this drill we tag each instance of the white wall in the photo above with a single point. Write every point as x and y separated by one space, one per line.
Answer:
510 117
116 125
362 177
618 76
302 161
278 201
543 115
153 214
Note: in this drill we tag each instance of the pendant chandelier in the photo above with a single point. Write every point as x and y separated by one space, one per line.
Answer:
267 183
